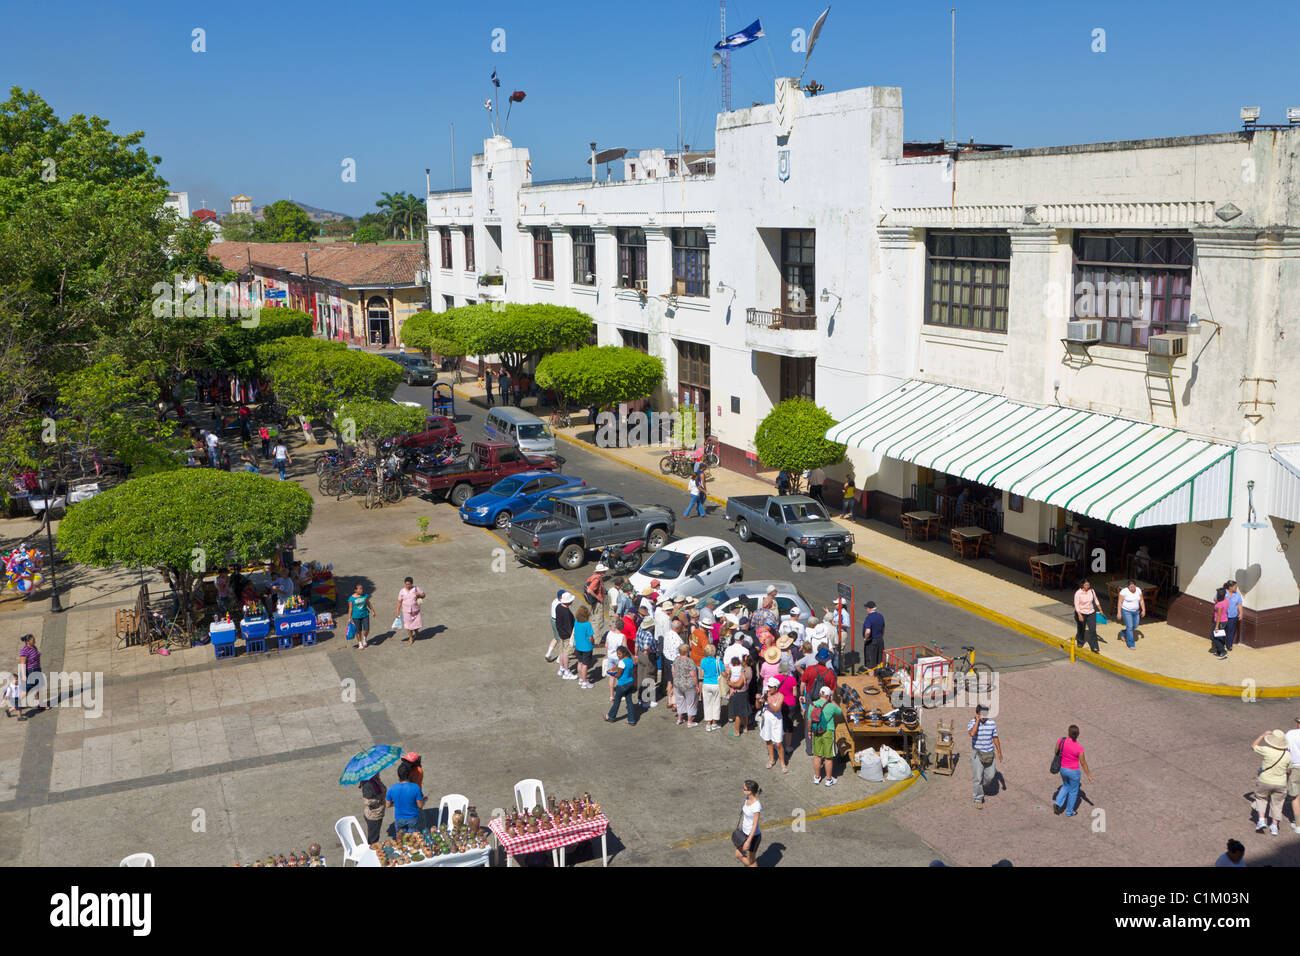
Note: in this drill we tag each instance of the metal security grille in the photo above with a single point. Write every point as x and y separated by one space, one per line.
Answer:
967 277
690 262
631 258
1138 285
584 255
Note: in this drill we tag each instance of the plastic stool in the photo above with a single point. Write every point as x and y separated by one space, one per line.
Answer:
254 645
224 650
286 642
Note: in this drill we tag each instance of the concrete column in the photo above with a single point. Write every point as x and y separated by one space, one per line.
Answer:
659 260
1038 304
562 257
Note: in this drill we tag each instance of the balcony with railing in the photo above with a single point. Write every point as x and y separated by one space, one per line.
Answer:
781 331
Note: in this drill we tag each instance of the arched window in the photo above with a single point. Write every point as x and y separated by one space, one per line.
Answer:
377 307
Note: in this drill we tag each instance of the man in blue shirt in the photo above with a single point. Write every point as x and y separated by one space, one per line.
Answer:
1235 604
873 637
407 801
985 747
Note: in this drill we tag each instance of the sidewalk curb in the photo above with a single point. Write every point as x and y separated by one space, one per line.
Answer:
1038 634
832 811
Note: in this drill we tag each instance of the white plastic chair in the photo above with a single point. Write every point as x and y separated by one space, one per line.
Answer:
138 859
449 805
353 838
528 794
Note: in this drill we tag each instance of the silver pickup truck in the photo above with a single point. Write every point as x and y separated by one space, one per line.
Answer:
797 523
586 522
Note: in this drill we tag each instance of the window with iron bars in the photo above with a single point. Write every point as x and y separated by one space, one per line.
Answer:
444 242
584 255
690 262
636 340
967 277
543 253
1137 285
631 258
469 249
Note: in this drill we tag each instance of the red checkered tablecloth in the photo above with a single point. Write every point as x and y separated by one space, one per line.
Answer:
549 839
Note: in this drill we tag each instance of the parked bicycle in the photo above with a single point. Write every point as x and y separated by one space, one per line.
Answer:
165 634
560 418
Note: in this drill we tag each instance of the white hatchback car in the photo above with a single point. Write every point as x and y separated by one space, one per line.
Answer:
690 567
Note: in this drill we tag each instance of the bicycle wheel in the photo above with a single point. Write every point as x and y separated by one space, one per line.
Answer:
667 465
373 498
393 492
711 460
356 484
978 678
331 485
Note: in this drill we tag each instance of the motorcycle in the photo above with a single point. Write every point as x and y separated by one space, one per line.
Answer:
623 560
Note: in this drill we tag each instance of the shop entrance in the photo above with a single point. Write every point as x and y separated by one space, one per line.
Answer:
379 322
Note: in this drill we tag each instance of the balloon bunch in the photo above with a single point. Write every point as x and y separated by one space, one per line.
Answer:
22 569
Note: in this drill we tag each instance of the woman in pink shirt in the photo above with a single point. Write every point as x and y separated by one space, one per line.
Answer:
1086 607
409 599
1072 759
1219 631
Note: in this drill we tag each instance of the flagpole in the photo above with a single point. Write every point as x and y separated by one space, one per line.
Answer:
453 155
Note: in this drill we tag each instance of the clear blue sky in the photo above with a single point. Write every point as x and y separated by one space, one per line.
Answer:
287 90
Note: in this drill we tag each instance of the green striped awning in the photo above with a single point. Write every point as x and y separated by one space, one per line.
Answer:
1128 473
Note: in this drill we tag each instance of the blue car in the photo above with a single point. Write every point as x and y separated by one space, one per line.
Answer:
512 496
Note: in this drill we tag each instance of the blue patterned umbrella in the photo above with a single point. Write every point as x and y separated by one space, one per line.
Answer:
368 763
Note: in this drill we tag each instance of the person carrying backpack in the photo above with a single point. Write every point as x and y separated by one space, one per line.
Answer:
815 677
821 723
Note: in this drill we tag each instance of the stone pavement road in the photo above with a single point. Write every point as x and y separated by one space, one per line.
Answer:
251 749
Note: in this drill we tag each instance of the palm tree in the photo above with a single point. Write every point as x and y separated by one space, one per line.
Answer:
411 214
387 205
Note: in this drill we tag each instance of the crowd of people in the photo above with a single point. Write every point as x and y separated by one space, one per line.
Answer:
775 674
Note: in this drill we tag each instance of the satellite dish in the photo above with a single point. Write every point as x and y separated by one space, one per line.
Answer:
608 156
717 59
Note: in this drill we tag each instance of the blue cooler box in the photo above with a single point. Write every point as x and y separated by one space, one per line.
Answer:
222 632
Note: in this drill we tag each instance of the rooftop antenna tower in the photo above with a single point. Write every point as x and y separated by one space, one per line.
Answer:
726 64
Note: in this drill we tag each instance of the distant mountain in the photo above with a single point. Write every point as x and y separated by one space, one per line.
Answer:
313 213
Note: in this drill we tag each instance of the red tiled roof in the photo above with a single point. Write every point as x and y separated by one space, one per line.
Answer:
344 263
205 215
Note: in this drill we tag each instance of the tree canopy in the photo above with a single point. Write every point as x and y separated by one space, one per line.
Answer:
84 239
515 332
313 377
434 333
793 436
185 522
601 375
284 221
238 227
374 420
368 233
236 348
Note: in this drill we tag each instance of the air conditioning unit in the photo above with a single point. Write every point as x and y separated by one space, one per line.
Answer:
1086 331
640 285
1168 344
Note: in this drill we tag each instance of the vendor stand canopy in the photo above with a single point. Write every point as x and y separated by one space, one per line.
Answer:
1127 473
1286 482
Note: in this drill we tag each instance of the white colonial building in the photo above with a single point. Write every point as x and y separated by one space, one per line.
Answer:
1091 340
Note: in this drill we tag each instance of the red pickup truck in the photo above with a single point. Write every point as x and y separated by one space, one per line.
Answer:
486 463
437 428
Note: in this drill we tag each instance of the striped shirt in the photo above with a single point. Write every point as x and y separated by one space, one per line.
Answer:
31 657
983 739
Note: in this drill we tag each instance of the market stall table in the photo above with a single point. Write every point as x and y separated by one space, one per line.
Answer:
556 839
851 738
921 524
1050 568
971 541
292 623
479 857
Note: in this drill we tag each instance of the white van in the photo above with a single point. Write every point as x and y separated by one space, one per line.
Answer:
526 431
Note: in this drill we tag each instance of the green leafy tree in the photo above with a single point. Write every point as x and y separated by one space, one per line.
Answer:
434 333
236 349
374 420
108 410
184 523
238 227
518 333
601 375
314 378
284 221
793 436
338 228
368 233
84 240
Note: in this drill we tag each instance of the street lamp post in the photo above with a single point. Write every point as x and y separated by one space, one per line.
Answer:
48 485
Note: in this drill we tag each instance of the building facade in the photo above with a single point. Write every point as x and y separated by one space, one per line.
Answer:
1083 348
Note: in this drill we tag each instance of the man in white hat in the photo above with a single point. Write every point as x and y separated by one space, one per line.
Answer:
1271 784
593 590
1293 781
564 628
791 627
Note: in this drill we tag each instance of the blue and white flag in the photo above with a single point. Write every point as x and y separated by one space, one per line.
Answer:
495 81
744 38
